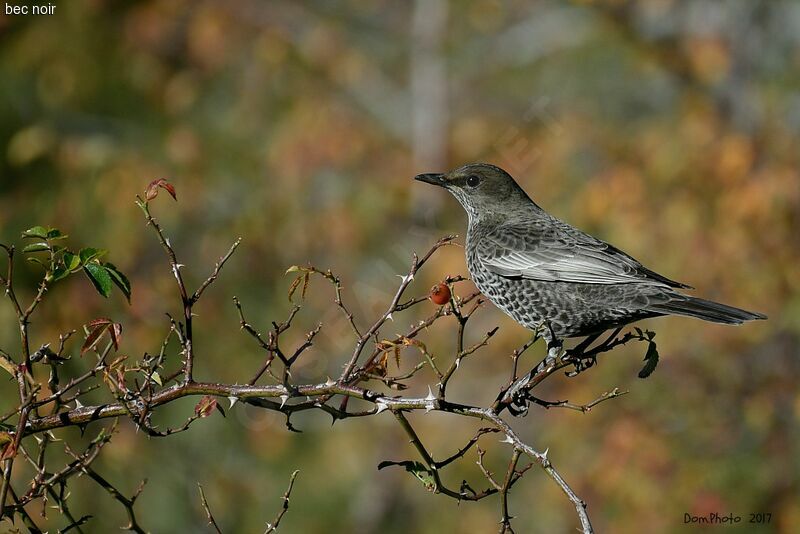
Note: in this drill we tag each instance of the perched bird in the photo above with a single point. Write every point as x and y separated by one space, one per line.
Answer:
551 277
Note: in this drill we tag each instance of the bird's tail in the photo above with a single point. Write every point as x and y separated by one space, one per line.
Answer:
706 310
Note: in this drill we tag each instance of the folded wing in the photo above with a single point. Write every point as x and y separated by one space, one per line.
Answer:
553 251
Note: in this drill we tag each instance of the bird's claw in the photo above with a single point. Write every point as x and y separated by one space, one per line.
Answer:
580 364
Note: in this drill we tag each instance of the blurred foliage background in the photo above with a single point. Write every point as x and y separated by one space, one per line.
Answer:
667 127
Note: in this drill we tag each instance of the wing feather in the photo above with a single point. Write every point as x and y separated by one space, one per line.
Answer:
550 250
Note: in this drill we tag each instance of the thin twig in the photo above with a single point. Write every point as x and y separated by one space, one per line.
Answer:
209 515
273 526
584 408
217 268
126 502
505 522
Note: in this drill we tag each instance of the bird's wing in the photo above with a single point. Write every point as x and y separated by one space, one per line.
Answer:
550 250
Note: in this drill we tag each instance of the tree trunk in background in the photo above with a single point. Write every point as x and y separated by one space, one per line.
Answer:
428 95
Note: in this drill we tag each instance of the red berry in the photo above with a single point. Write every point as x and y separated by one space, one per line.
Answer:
440 294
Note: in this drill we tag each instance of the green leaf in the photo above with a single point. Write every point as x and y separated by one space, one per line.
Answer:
99 277
119 279
60 273
55 233
650 360
156 378
36 247
423 475
389 463
418 469
71 261
36 231
88 254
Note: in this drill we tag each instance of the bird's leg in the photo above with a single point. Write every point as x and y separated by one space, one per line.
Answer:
581 347
575 355
515 397
554 346
584 359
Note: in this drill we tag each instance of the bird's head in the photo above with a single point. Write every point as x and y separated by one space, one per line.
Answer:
482 189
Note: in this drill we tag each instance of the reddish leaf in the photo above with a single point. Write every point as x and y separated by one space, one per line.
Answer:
206 405
121 379
97 327
152 189
116 334
100 321
9 452
95 331
7 446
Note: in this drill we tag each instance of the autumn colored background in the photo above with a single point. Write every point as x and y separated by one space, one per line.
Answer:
667 127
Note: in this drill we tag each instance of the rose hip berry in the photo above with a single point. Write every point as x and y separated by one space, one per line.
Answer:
440 294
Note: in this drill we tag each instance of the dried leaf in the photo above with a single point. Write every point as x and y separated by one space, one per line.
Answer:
109 383
380 367
120 376
9 449
294 286
650 360
8 365
112 374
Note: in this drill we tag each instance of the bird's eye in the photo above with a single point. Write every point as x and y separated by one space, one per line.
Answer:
473 180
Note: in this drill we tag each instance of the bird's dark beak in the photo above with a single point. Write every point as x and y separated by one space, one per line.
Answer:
432 178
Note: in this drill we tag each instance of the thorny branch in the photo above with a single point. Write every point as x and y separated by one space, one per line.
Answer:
211 521
127 502
138 389
273 526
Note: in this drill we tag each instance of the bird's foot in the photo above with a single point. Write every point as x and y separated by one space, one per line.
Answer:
517 397
580 364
